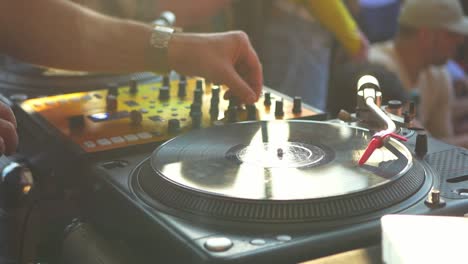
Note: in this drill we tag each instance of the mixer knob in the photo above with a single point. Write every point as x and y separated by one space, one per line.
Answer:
199 85
182 92
136 117
231 114
214 113
267 101
279 108
196 119
16 183
195 108
182 78
163 93
166 81
215 92
251 112
214 108
111 103
173 126
133 86
233 102
197 96
113 89
421 144
76 122
297 105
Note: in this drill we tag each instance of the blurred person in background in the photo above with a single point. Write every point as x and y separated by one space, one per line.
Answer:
429 33
298 42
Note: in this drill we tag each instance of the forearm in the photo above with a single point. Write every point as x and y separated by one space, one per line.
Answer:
67 35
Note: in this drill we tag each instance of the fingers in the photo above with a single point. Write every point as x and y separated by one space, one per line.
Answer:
238 86
250 69
7 114
9 137
245 76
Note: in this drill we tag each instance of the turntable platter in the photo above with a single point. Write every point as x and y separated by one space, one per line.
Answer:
278 161
303 166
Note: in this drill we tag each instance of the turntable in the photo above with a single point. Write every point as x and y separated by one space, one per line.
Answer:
23 80
274 191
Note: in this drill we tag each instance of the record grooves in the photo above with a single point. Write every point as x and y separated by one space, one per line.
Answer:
197 174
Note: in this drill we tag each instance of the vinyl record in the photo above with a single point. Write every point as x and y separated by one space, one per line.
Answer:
278 161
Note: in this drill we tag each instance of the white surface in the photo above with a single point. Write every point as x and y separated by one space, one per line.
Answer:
409 239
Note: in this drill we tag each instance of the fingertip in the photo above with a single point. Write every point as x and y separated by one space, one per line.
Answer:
2 146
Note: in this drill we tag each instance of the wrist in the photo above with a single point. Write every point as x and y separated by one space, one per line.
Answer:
158 49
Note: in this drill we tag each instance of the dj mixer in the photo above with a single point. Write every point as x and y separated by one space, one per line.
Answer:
118 117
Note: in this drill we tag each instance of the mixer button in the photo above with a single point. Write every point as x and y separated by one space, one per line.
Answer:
131 137
89 144
117 140
144 135
218 244
258 242
144 110
283 238
104 142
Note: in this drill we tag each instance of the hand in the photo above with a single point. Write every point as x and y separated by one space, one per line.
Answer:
224 58
8 136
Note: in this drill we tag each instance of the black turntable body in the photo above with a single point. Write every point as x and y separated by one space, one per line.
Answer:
278 191
271 192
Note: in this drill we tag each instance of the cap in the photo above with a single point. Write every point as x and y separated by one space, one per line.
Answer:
446 14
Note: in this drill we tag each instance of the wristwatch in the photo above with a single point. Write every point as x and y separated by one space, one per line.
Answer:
159 43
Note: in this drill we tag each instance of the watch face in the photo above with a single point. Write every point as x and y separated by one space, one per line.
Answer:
164 29
161 36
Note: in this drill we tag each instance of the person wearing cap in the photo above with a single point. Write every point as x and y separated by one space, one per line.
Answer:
429 33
